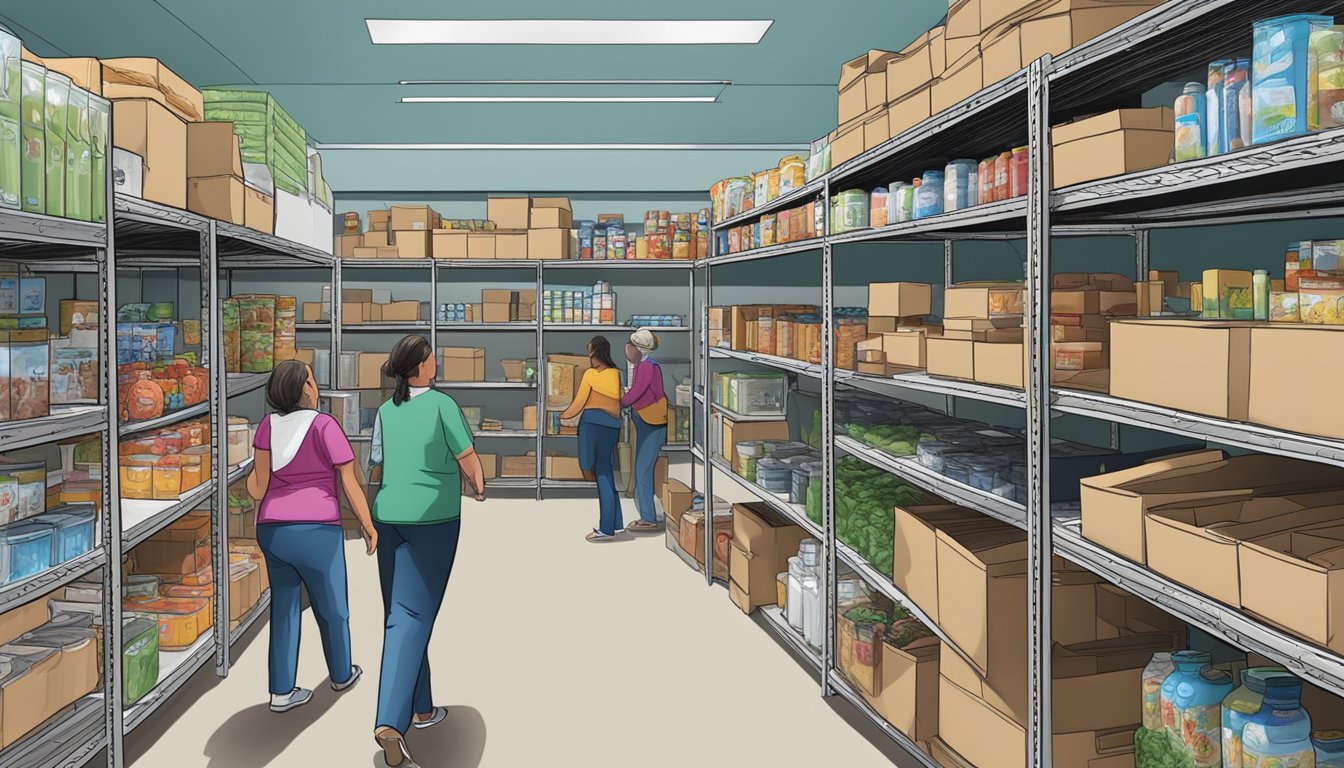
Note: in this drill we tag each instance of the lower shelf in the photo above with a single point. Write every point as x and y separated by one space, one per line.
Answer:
250 618
175 669
69 738
844 690
774 619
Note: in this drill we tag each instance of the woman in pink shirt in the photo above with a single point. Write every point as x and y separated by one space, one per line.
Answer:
647 401
300 453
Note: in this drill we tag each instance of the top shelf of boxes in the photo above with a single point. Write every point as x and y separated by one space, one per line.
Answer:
960 91
178 157
518 231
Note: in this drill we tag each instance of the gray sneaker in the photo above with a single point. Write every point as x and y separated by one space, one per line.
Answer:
355 673
293 700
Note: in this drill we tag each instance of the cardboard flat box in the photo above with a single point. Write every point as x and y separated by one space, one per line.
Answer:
1080 355
450 244
676 498
509 212
762 543
511 246
462 364
413 244
962 80
150 130
1001 364
908 688
551 213
1115 505
900 299
1188 365
212 150
401 312
952 358
1306 573
907 349
495 313
258 210
548 244
481 245
983 301
518 466
1277 401
376 238
561 467
913 109
218 197
412 218
745 431
1112 144
915 570
148 78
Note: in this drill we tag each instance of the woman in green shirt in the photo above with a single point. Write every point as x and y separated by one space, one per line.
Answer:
422 447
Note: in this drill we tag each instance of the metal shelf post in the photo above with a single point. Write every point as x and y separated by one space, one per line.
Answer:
110 516
831 587
214 360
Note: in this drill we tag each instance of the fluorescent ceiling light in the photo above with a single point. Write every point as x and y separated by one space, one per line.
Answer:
558 99
638 147
564 82
566 31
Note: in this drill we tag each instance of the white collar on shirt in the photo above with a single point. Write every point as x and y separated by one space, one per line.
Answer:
287 433
418 391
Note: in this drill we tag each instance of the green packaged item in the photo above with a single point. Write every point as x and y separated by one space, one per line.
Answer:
10 95
159 312
58 96
864 499
266 134
258 351
33 134
100 126
77 155
139 657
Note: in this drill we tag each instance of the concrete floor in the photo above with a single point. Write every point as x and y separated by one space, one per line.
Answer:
549 651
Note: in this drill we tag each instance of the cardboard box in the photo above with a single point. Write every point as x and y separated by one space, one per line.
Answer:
762 543
1001 364
945 756
692 531
913 109
346 245
855 69
481 245
983 301
412 218
548 244
900 299
218 197
462 364
551 213
1080 356
530 418
496 313
511 246
847 144
401 312
489 465
175 550
915 570
561 467
518 466
917 66
375 238
1112 144
413 244
676 498
563 375
212 150
906 349
1001 53
963 20
85 72
952 358
509 212
876 131
1115 505
379 221
147 78
1277 401
450 244
1227 294
258 210
312 312
1195 544
908 688
962 80
1306 568
1188 365
1056 33
735 432
150 130
369 370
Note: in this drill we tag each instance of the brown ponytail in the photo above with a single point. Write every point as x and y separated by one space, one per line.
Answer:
403 363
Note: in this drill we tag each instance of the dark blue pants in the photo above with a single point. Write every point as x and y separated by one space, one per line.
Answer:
649 442
414 563
313 556
599 432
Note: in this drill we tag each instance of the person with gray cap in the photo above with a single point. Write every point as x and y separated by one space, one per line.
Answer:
647 401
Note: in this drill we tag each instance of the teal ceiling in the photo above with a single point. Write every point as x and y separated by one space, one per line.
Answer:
317 59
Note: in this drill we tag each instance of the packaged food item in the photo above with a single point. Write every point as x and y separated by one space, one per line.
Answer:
960 180
29 374
1283 307
1159 668
1020 172
1321 306
1329 748
10 100
1236 93
929 195
1280 733
1242 704
33 134
1280 69
850 211
905 201
792 173
1228 294
1190 137
985 177
1260 289
1326 78
878 208
1215 139
1003 172
137 476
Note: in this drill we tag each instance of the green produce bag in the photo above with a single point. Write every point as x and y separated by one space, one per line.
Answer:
77 162
33 135
58 97
10 96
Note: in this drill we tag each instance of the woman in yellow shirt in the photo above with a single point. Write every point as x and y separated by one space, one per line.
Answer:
597 405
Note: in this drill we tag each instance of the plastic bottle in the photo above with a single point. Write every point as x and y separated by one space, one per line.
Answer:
1215 137
793 603
1242 704
1279 736
960 178
1188 665
1190 123
1199 699
1329 748
1236 81
905 201
1159 668
1003 173
877 208
1260 286
929 195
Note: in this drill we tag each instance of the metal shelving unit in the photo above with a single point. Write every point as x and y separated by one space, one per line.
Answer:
1292 179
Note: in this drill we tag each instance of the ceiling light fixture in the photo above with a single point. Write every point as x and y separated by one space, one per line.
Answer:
565 82
558 99
635 147
566 31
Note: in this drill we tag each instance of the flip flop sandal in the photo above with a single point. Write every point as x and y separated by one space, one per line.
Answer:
395 753
597 536
438 716
643 526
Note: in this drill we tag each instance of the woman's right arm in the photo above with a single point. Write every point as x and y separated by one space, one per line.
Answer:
459 438
581 399
470 464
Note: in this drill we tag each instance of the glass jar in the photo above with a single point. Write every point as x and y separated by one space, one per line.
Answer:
201 455
929 195
1197 703
1188 664
1329 748
1280 734
1158 669
1240 705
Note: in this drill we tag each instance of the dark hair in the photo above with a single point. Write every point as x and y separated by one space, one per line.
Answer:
284 392
600 348
404 362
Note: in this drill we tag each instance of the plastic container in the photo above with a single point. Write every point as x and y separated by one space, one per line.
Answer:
774 475
782 590
139 657
1020 176
1240 705
904 203
1215 138
929 195
1260 290
1279 71
814 619
850 211
1279 736
1188 665
809 551
1198 699
1236 99
27 549
239 441
961 180
1190 123
73 531
1325 91
1329 748
9 499
32 488
140 585
748 454
878 208
933 454
793 606
1159 668
958 469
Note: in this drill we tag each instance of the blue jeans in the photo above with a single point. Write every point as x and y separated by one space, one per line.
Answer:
312 555
599 432
414 562
649 442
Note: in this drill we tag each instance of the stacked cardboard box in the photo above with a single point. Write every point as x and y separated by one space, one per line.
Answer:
215 172
48 668
1081 308
502 305
896 328
762 542
1112 144
366 305
982 337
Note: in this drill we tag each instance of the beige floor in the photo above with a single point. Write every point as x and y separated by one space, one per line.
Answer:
549 652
